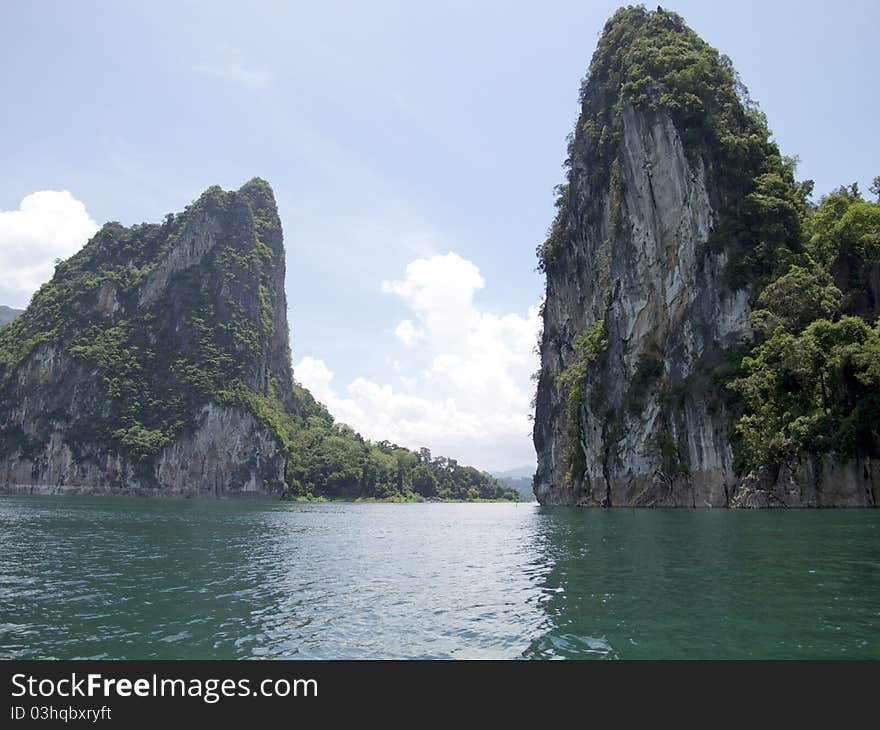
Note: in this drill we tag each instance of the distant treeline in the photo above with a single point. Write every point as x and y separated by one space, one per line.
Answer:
331 460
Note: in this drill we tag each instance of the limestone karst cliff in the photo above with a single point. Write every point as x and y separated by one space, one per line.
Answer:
151 359
678 209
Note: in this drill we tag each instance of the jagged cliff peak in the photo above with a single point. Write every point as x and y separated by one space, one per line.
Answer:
652 73
677 210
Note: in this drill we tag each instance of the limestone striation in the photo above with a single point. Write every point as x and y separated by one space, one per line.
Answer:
661 241
156 360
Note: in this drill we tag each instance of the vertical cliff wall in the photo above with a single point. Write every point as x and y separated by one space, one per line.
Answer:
156 360
657 247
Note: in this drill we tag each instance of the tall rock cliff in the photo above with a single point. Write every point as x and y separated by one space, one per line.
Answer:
156 360
676 209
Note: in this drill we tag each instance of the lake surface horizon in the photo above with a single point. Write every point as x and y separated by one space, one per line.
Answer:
104 577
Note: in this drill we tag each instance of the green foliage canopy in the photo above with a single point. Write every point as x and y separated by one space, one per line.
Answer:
812 382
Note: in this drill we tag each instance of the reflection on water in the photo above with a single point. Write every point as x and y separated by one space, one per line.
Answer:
93 577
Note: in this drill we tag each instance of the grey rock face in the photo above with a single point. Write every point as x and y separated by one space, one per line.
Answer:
812 482
229 455
659 291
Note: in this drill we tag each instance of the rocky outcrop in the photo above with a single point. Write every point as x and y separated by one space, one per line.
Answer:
154 360
229 454
646 256
811 482
661 297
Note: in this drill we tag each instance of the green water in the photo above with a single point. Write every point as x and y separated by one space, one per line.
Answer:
91 577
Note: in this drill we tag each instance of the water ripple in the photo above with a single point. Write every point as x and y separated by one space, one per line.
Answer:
91 577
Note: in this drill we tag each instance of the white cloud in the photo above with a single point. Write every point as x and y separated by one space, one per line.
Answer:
408 333
316 376
440 291
232 67
471 391
48 224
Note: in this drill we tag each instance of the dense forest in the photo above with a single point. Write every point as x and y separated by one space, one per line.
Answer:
331 460
811 383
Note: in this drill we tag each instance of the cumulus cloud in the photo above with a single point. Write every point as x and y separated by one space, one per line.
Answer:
440 292
408 333
317 377
470 396
48 224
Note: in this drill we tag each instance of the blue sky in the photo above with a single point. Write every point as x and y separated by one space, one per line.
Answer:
392 133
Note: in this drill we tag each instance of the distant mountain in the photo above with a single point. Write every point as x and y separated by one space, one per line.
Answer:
519 479
522 485
521 471
7 314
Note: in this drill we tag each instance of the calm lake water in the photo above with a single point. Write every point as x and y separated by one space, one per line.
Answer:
125 578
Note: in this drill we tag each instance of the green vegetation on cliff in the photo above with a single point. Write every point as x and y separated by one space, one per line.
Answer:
811 385
588 347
